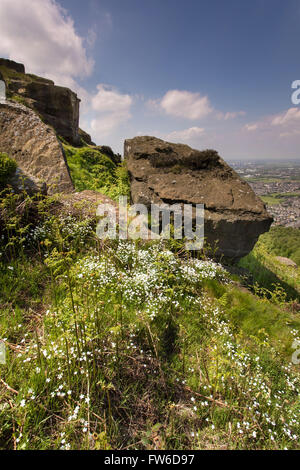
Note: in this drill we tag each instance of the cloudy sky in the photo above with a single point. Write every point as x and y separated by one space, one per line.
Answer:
210 73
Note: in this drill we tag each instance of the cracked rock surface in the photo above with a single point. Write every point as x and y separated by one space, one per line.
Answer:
163 172
58 106
34 146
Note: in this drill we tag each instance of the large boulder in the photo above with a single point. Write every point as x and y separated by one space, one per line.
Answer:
163 172
58 106
34 146
20 182
287 262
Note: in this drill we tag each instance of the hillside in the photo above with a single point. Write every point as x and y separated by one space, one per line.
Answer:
134 344
126 345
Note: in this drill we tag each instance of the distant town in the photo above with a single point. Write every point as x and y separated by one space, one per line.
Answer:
278 185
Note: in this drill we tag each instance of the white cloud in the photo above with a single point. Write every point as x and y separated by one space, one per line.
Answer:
283 124
292 133
91 36
186 134
41 34
189 105
110 100
252 127
231 115
289 117
111 108
184 104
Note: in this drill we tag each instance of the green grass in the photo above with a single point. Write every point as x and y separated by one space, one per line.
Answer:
19 99
277 198
272 200
264 180
91 169
265 268
10 74
7 167
125 345
122 345
284 195
283 241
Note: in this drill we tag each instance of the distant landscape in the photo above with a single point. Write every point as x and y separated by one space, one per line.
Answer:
278 185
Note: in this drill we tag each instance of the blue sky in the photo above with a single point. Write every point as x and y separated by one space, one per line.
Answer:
208 73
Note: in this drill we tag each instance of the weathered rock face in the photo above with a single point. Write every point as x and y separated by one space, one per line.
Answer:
115 157
85 137
163 172
20 182
10 64
34 146
58 106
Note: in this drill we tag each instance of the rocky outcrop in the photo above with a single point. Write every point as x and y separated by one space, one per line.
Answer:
163 172
106 150
34 146
58 106
85 138
12 65
287 262
20 182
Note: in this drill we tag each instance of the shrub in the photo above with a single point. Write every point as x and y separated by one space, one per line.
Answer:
89 168
92 169
7 167
283 241
264 267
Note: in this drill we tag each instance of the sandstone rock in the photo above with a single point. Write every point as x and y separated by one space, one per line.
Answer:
163 172
83 204
58 106
10 64
287 262
115 157
34 146
85 137
105 149
23 182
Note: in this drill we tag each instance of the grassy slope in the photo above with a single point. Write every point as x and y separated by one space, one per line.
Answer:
266 269
93 170
122 345
283 242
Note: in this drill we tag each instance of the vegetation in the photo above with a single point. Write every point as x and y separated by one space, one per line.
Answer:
277 198
265 268
9 74
272 200
91 169
19 99
7 168
264 179
283 241
125 345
